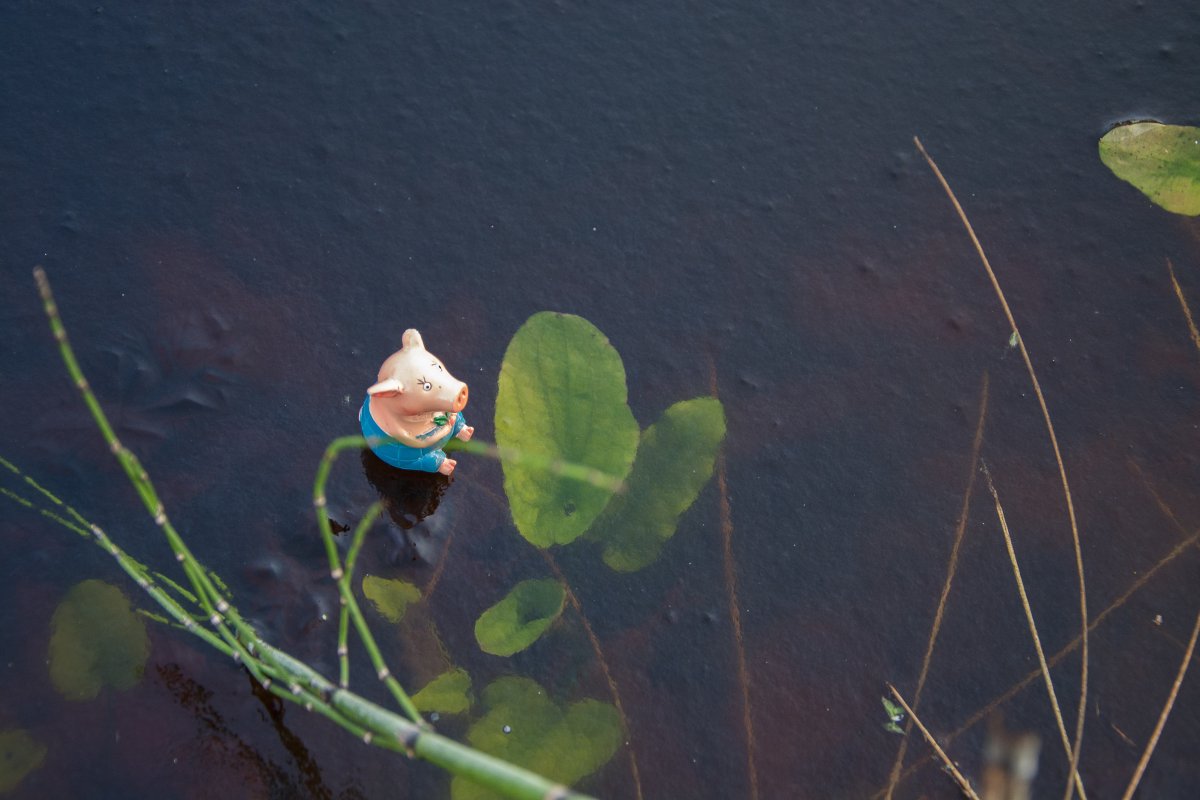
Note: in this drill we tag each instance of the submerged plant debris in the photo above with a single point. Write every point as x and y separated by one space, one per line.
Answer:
521 618
674 461
391 597
20 754
448 693
97 641
523 725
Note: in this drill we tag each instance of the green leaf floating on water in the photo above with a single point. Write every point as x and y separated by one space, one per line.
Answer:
524 726
390 597
448 693
97 640
1163 161
562 395
674 461
520 618
20 755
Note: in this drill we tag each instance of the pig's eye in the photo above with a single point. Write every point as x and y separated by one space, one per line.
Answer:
426 385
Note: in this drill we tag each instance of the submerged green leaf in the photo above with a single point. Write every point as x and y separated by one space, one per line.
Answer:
524 726
1163 161
390 597
97 640
520 618
674 461
562 396
895 713
448 693
20 754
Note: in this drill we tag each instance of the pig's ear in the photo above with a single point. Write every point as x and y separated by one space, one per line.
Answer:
389 388
412 340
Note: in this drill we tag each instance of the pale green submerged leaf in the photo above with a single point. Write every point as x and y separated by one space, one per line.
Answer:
97 640
20 754
523 725
390 597
674 461
1163 161
520 618
448 693
562 396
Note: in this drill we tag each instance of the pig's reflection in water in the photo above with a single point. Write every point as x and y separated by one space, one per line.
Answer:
409 497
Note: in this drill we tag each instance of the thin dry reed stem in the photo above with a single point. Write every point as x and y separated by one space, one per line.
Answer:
735 613
1062 470
1162 718
1054 660
951 570
608 676
1187 312
959 778
1037 641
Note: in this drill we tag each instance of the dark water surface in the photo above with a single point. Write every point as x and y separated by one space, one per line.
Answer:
242 206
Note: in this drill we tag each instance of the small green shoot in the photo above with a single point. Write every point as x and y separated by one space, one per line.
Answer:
895 716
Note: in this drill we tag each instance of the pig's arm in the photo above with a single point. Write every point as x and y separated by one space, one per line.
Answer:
430 462
461 429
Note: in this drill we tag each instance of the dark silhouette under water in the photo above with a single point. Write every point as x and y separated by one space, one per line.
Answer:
409 497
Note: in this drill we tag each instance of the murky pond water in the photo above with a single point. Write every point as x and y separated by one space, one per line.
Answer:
242 208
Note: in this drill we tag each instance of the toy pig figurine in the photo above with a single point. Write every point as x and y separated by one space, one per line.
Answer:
418 403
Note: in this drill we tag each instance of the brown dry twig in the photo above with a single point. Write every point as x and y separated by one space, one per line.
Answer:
1062 470
959 778
951 568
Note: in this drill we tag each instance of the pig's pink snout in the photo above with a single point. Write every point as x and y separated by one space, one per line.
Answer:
460 402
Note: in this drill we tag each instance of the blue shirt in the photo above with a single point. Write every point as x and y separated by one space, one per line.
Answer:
424 459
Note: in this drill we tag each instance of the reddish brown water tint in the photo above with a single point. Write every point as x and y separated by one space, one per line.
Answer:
242 208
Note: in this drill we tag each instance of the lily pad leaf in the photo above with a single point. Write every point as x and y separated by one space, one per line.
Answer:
1163 161
520 618
97 640
562 397
390 597
20 754
674 461
448 693
523 725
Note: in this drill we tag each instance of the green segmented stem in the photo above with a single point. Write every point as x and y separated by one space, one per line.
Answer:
360 532
280 673
341 575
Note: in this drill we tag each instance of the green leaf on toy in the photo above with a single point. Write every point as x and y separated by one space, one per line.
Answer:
674 461
96 640
1163 161
390 598
520 618
562 397
524 726
448 693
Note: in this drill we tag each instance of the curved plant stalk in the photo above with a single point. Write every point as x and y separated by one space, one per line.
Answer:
360 532
555 466
342 576
960 531
1033 632
613 689
280 673
1073 771
1162 717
